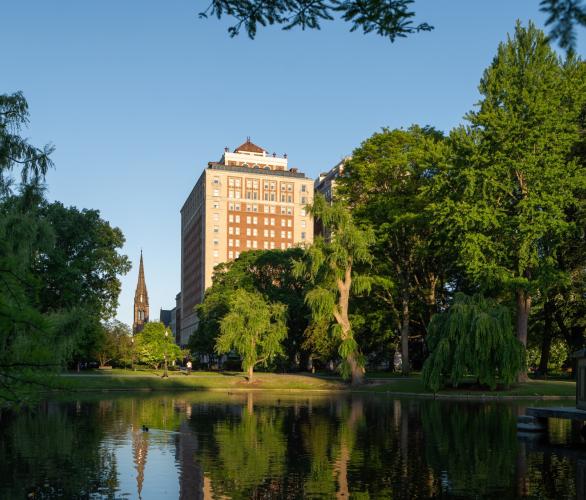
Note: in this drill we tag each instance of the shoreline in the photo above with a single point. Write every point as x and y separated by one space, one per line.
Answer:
396 387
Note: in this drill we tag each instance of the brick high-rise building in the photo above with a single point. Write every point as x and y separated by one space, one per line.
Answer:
248 200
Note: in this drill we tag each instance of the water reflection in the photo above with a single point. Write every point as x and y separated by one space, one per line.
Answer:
249 445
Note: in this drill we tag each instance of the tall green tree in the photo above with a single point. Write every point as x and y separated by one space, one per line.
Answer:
513 179
254 328
385 183
333 270
154 344
116 345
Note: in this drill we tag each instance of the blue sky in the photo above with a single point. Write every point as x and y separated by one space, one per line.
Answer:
138 95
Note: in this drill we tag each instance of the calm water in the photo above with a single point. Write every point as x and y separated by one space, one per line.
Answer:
257 446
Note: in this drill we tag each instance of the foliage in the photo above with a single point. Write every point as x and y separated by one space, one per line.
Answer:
254 328
412 257
472 337
330 268
154 344
116 345
388 18
558 355
15 151
506 195
268 272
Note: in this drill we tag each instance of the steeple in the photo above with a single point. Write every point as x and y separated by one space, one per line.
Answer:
141 301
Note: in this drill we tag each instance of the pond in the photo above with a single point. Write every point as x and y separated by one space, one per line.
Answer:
252 445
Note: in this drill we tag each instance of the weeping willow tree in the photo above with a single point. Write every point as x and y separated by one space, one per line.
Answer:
254 328
330 267
473 337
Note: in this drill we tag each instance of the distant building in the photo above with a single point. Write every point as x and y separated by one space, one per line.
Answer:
165 316
141 301
325 185
248 200
171 318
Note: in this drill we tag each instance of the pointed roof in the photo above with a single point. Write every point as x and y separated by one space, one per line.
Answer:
249 147
141 284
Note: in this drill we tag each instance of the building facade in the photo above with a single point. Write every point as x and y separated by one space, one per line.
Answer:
141 301
325 185
249 200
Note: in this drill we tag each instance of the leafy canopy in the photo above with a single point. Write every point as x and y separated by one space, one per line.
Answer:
254 328
155 343
472 337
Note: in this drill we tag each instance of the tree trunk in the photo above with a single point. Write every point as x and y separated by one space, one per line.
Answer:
356 371
405 365
547 336
250 373
523 309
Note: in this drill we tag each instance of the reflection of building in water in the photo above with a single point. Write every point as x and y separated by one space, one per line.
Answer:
140 448
191 479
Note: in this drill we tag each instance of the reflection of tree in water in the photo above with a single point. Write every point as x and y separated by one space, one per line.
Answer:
56 452
471 446
246 452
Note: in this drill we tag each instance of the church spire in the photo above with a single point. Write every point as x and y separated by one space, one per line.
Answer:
141 301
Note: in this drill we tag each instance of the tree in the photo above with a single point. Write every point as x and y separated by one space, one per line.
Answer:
385 183
268 272
254 328
512 181
116 344
331 269
155 344
389 18
473 336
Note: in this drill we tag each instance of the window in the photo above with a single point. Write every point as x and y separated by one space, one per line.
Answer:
289 187
247 231
288 245
216 242
266 221
237 207
216 254
266 245
303 188
289 234
283 210
248 195
273 209
302 223
254 244
289 211
266 233
282 246
272 245
237 254
248 183
272 233
283 187
255 220
237 219
272 196
237 182
289 223
248 219
231 206
265 196
237 243
304 200
230 254
230 218
254 232
289 199
216 181
283 197
216 229
230 242
230 193
230 182
237 231
215 204
247 243
230 230
282 234
255 208
248 207
272 221
302 235
283 222
303 212
255 184
237 194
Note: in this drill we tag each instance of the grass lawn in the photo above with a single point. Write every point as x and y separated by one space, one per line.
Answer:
108 380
